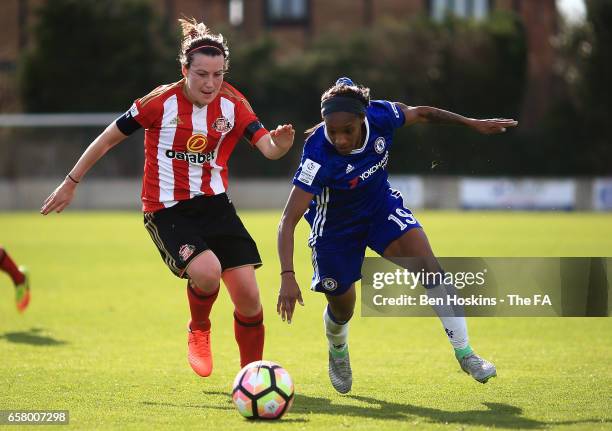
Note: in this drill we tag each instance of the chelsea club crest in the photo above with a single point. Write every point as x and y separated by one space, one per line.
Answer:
379 145
329 284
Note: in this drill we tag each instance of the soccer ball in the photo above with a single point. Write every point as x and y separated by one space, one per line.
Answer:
263 390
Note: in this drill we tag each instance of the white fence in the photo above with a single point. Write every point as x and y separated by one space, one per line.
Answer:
419 192
26 193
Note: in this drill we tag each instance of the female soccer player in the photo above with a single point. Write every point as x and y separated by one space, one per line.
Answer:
342 182
20 277
191 129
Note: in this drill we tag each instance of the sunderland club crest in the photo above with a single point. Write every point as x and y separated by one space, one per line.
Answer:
222 125
185 251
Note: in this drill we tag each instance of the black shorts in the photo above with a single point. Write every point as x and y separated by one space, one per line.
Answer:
190 227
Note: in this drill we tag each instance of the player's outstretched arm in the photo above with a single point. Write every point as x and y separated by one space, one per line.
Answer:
290 290
276 144
428 114
64 193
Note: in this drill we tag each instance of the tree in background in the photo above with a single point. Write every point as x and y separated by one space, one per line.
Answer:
578 125
477 68
96 55
596 87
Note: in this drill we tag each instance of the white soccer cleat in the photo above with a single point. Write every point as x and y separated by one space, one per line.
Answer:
480 369
340 373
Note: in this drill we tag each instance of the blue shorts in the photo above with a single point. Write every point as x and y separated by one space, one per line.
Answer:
337 267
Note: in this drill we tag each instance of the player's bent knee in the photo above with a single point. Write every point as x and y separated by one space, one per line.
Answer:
344 316
204 283
340 313
205 272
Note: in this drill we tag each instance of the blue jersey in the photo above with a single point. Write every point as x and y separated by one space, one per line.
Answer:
350 188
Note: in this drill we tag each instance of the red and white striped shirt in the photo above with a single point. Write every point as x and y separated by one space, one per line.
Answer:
186 147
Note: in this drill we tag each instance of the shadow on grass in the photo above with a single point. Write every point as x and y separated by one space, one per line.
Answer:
497 414
228 407
32 337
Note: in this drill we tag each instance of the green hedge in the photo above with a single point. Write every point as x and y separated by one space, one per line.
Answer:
99 55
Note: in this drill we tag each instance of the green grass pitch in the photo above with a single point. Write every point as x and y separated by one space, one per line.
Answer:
105 336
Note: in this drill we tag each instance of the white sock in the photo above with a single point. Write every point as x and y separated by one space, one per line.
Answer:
452 317
337 334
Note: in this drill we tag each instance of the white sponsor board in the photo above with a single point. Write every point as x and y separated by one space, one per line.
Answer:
412 189
602 194
525 194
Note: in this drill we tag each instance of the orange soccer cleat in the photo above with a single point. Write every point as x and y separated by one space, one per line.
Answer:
200 356
22 291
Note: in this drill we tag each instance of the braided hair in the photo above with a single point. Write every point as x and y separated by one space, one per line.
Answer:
197 38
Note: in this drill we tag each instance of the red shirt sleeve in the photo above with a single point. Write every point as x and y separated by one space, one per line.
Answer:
146 110
247 123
